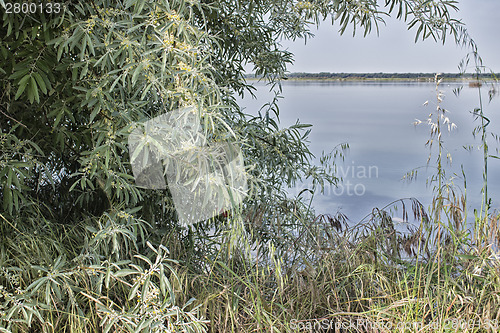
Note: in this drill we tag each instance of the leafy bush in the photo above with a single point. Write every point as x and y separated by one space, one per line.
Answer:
82 248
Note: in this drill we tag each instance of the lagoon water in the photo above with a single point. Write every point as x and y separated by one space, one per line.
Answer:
376 120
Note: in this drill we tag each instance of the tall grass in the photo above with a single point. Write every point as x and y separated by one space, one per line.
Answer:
321 275
267 268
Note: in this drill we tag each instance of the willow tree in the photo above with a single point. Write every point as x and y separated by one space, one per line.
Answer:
79 240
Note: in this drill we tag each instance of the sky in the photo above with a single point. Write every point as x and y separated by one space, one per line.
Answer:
394 49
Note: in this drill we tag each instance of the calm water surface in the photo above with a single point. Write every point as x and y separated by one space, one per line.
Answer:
376 120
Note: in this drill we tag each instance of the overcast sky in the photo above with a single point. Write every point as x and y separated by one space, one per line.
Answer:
394 49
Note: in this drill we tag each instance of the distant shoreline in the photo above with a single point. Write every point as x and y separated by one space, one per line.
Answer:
413 77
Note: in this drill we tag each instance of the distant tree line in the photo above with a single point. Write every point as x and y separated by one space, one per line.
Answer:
365 76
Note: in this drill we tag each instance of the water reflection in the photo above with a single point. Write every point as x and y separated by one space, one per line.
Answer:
376 119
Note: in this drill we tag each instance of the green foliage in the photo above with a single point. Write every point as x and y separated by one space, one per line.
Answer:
82 248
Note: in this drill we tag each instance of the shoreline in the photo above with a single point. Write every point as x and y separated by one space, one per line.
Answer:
385 77
423 80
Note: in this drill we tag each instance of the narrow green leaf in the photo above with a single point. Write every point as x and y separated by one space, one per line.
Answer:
41 82
34 88
7 199
22 85
136 73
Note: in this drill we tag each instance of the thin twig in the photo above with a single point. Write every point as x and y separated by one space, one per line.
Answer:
17 121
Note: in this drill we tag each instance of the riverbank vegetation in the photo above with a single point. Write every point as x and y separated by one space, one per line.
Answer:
84 249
